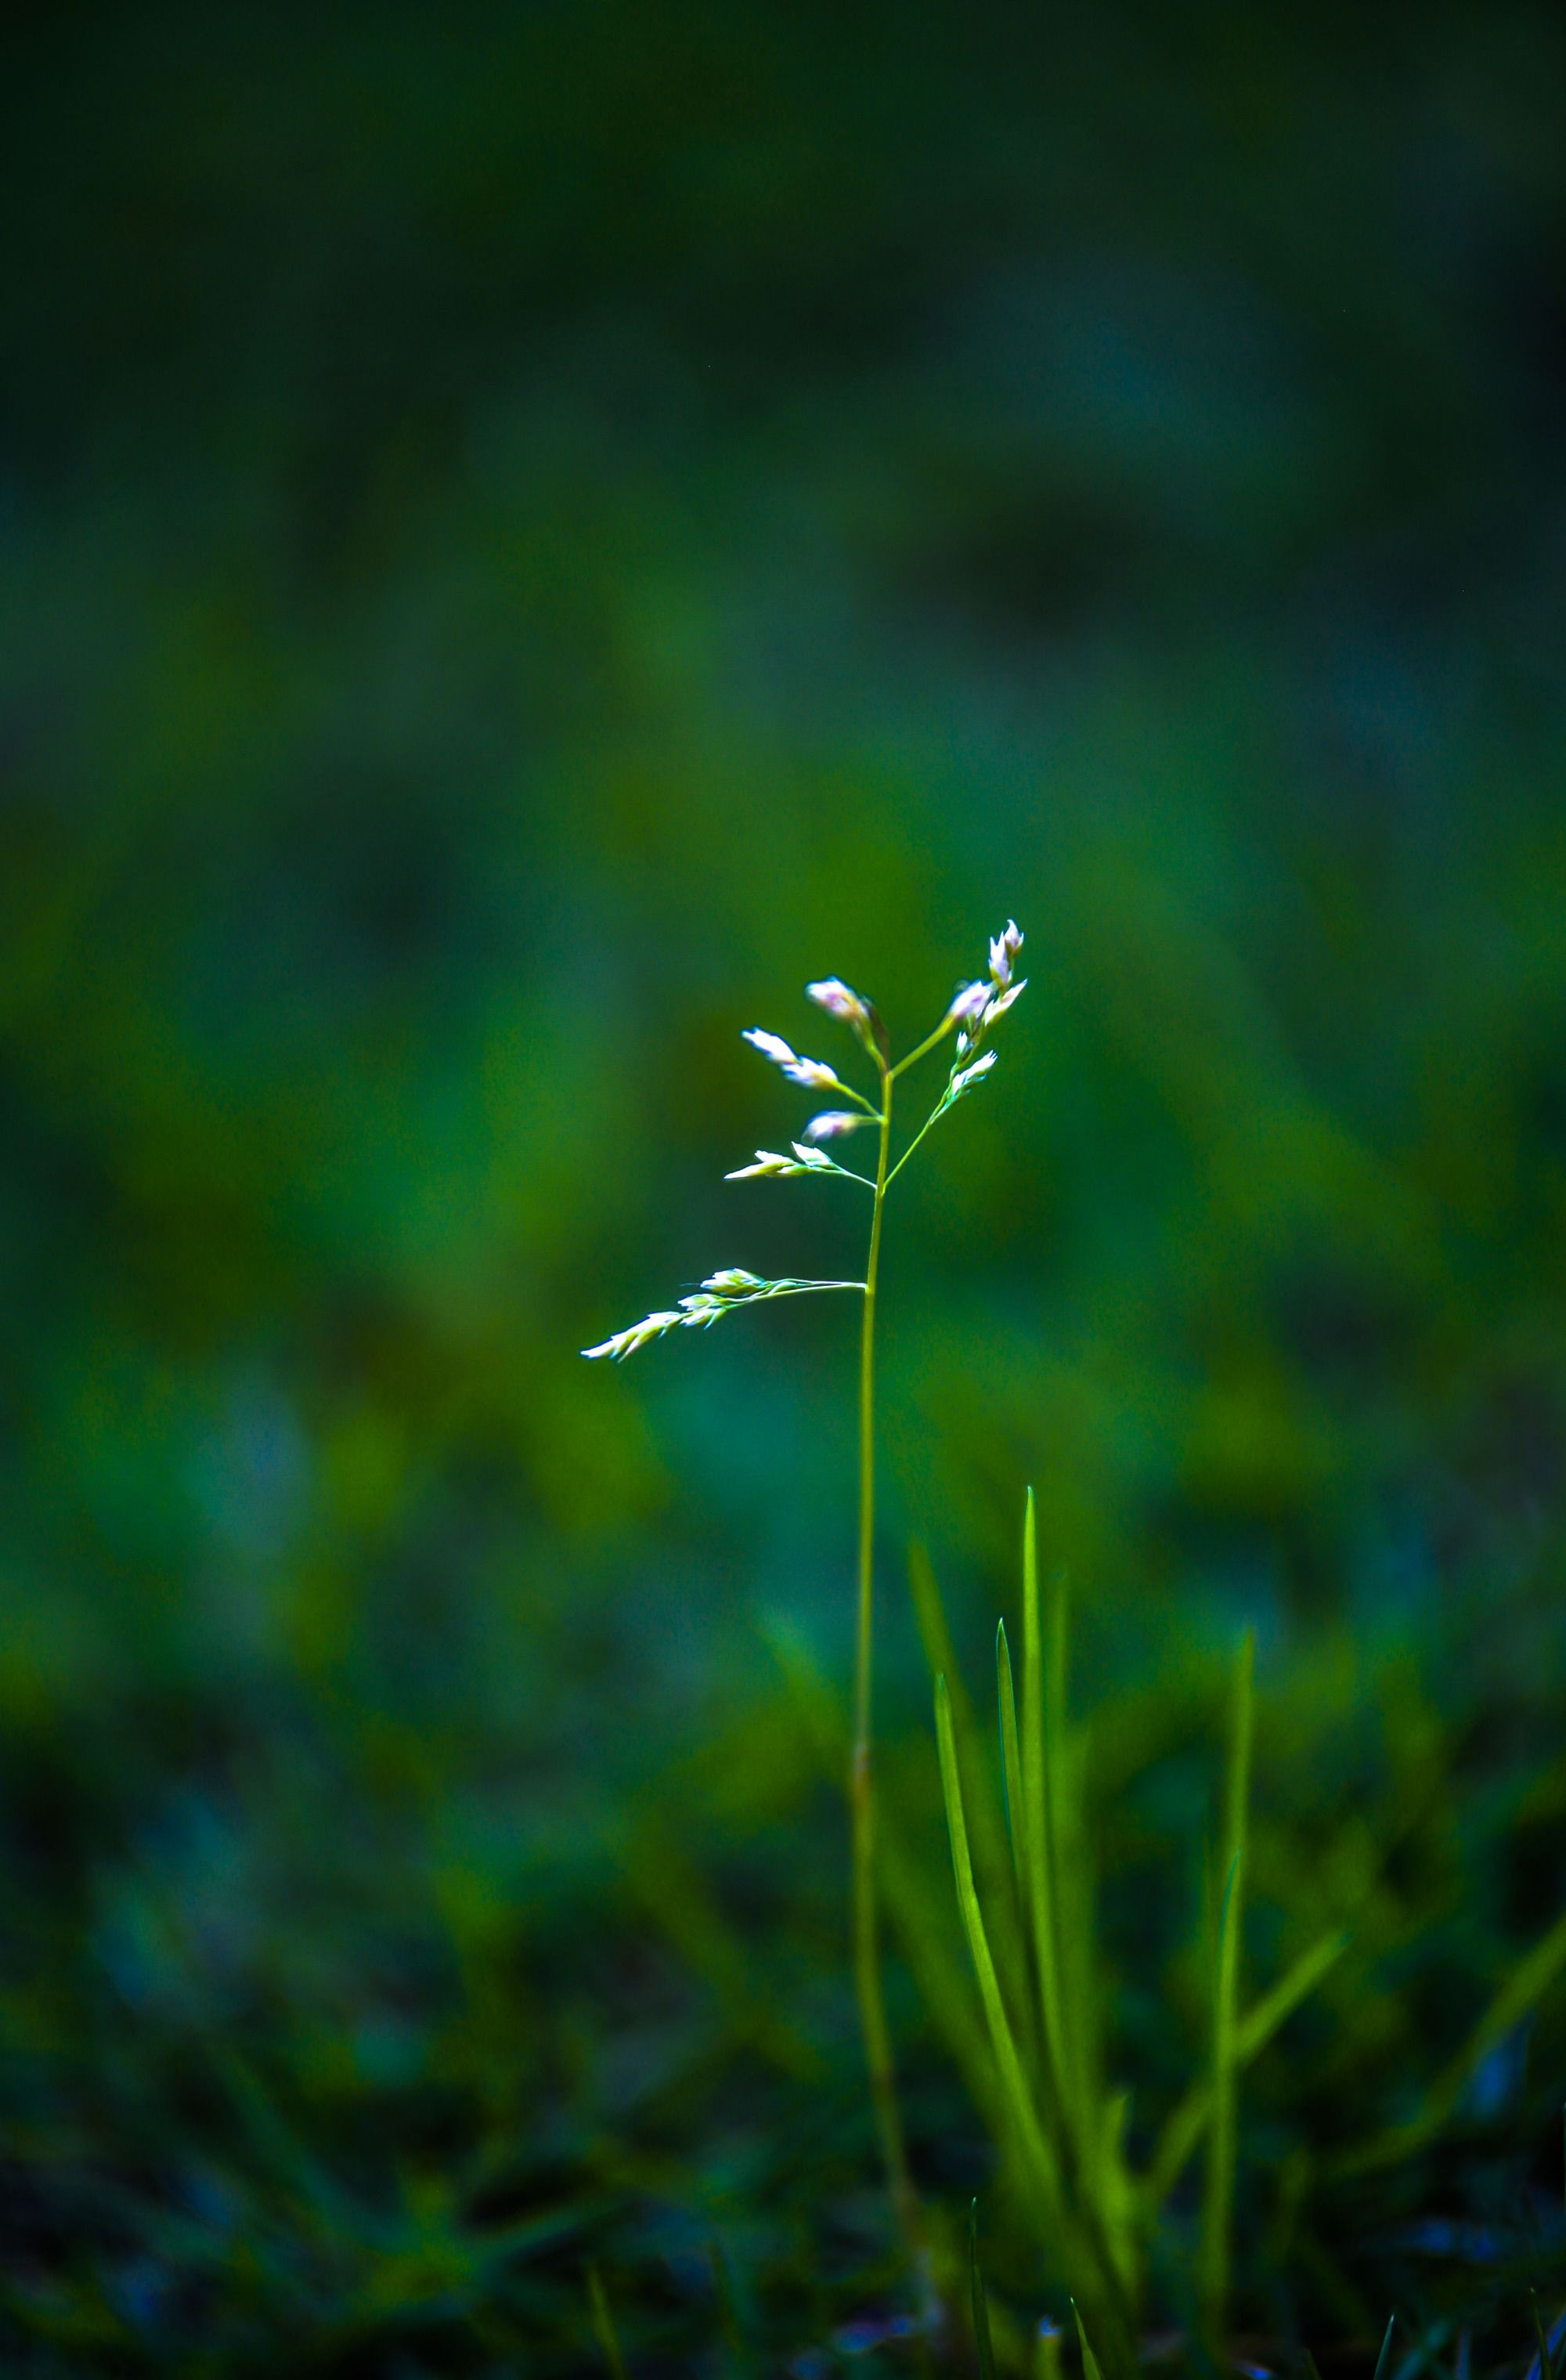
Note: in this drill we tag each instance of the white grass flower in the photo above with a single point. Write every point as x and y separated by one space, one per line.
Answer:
637 1334
833 1123
810 1072
771 1045
969 1003
839 1001
1002 953
767 1165
969 1076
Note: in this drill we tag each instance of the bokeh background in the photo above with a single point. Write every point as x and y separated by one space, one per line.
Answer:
526 534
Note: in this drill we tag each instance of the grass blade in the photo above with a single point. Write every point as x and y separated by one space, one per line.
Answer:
980 2302
1037 1831
603 2324
1010 1756
1189 2119
1091 2366
1037 2156
985 1820
1543 2366
1385 2355
1219 2195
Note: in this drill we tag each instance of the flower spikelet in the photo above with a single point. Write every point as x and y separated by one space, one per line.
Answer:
835 1124
839 1001
810 1072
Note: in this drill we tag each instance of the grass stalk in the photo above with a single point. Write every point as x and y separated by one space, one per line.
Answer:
861 1785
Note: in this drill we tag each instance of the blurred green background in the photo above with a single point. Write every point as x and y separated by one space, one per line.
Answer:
526 534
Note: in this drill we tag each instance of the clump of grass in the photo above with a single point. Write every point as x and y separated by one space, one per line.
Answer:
1042 1997
1030 1931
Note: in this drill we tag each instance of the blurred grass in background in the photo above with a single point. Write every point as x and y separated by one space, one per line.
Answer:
523 536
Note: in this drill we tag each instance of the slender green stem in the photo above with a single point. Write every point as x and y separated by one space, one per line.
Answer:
867 1964
859 1097
925 1046
798 1289
913 1145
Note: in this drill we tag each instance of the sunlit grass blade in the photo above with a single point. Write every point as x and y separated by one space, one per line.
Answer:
1219 2193
1091 2366
1011 1755
1037 2154
983 2348
1384 2359
984 1816
1189 2119
992 1855
1047 2352
603 2324
1037 1831
1544 2364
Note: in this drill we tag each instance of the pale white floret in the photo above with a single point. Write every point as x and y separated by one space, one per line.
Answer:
637 1334
840 1001
1003 950
970 1074
834 1123
835 997
811 1071
771 1045
968 1004
767 1162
